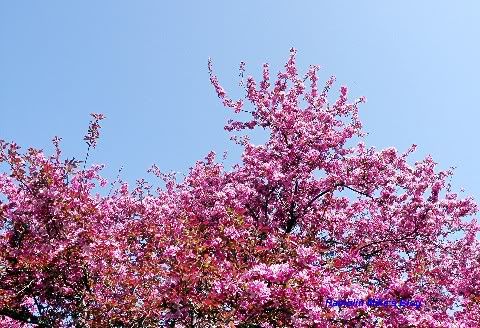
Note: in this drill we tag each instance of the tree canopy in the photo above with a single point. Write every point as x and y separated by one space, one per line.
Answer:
311 215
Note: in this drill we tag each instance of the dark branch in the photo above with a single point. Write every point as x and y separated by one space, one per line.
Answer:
320 195
22 315
292 220
357 191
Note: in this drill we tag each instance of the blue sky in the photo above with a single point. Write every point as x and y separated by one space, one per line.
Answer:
144 65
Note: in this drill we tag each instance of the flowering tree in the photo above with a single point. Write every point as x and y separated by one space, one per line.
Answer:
311 216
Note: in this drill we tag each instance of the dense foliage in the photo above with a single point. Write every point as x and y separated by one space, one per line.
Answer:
312 214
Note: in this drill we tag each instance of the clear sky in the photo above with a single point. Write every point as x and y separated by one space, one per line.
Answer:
144 65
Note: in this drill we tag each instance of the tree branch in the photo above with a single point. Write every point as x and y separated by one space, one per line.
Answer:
22 315
292 221
320 195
